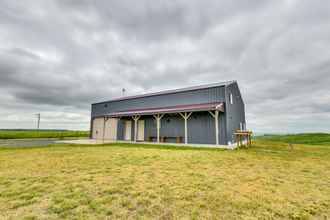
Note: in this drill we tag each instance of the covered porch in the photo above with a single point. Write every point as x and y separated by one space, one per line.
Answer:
174 124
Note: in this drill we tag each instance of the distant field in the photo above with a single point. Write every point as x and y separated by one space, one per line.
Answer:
307 138
41 134
122 181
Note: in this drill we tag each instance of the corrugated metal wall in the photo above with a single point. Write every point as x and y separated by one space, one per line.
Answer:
235 113
216 94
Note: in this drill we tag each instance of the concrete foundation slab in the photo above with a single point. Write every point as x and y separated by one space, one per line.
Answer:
96 142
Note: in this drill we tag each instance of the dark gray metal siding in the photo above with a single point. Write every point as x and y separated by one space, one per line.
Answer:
235 113
171 125
120 130
216 94
201 128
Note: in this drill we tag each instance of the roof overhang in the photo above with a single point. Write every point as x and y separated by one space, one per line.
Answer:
171 109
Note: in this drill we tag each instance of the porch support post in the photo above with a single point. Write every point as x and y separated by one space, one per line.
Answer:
185 116
135 118
216 120
217 127
158 117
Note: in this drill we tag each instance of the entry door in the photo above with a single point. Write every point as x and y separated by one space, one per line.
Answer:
111 129
98 128
128 130
140 136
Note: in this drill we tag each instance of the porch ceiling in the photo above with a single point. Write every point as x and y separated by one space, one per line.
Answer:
171 109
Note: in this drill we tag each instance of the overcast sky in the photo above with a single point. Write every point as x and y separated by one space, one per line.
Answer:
58 57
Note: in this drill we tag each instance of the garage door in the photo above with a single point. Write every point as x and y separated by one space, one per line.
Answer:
110 131
98 128
140 134
128 130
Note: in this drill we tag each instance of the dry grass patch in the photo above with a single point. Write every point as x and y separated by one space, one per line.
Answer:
268 181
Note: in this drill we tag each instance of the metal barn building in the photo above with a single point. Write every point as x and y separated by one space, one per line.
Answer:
208 114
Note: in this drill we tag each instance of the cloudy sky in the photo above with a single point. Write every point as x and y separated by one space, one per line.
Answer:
57 57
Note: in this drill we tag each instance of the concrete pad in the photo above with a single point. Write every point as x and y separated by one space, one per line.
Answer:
95 142
85 141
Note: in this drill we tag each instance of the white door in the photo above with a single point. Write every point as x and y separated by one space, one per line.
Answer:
110 131
128 130
140 136
98 124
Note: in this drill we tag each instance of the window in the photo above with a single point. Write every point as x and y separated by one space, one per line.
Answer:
231 98
242 126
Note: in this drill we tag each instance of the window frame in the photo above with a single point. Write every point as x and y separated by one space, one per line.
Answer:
231 99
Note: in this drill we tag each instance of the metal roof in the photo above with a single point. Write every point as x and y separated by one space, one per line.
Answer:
225 83
171 109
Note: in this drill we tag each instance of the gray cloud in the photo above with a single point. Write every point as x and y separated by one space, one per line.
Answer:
57 57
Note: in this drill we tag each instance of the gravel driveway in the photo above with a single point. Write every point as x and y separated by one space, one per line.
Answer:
26 142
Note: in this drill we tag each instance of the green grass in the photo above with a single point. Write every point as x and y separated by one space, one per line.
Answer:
41 134
305 138
266 181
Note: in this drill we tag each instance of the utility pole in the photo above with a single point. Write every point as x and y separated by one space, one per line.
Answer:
38 121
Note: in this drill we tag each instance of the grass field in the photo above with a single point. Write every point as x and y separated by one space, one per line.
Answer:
267 181
11 134
307 138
